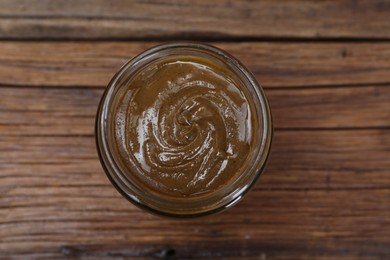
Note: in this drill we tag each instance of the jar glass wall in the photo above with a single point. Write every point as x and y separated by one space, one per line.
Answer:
165 204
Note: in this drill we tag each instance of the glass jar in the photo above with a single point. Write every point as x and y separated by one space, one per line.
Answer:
171 206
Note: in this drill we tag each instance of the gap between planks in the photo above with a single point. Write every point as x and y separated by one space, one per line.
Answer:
318 129
206 39
273 88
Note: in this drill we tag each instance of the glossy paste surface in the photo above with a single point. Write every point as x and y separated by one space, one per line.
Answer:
183 126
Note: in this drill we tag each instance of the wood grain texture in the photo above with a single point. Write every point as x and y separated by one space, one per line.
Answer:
343 159
327 200
98 223
325 67
324 192
190 19
71 111
58 202
274 64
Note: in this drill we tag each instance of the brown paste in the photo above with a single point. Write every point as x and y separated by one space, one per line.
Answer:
183 126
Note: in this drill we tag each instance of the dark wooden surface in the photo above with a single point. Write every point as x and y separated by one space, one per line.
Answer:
324 65
104 19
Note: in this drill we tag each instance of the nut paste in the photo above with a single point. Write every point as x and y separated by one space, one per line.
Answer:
183 126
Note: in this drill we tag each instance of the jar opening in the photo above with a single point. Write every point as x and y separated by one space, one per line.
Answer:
183 130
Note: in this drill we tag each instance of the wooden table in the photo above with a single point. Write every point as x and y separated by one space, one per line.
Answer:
325 67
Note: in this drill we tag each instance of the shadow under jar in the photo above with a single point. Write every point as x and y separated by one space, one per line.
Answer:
183 130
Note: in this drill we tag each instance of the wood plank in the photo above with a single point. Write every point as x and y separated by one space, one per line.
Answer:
71 111
343 159
193 19
95 222
324 194
350 107
274 64
40 111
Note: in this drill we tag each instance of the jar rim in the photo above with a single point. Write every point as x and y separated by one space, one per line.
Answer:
116 176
